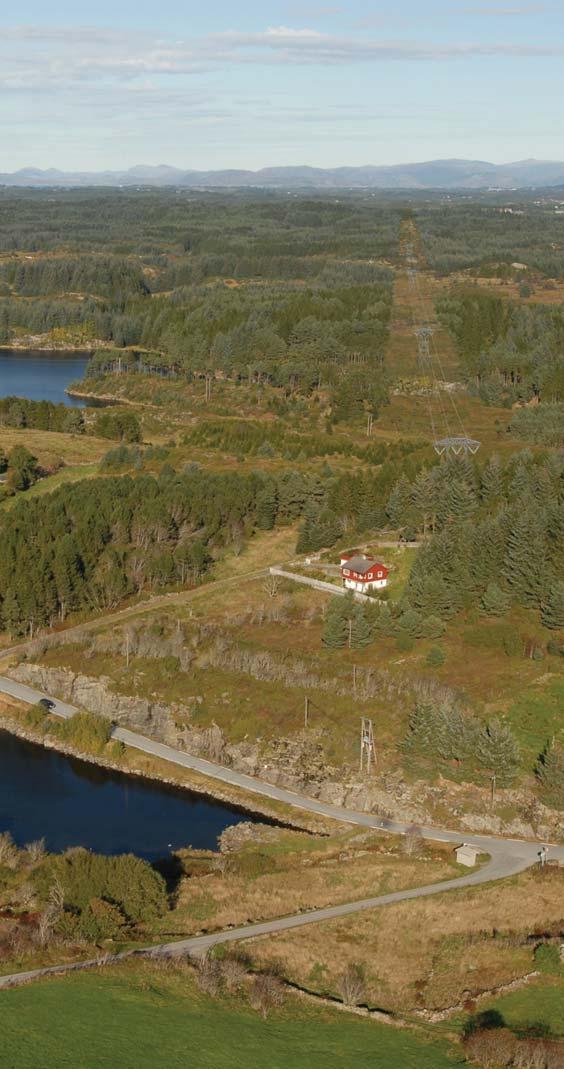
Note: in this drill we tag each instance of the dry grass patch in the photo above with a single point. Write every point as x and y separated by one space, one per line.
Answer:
429 952
294 873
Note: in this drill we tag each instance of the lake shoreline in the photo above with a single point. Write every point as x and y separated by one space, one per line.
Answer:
221 796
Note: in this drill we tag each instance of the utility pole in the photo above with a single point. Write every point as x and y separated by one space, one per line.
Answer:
354 680
367 752
493 780
369 424
306 712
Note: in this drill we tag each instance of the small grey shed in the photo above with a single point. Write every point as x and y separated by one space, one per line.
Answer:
467 855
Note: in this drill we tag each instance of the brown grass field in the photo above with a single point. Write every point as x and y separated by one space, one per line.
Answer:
429 953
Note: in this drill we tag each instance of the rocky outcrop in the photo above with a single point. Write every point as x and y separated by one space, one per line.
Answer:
298 763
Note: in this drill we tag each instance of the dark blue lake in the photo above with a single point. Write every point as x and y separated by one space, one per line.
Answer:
72 803
40 376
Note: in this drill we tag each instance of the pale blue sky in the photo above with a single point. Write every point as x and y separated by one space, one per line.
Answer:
109 85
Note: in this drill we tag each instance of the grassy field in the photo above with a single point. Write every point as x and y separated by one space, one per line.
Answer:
72 448
538 1004
137 1018
430 953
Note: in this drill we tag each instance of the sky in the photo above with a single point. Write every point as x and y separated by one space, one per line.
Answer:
276 83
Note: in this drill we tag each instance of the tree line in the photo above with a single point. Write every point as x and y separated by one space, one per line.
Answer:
88 545
494 536
510 352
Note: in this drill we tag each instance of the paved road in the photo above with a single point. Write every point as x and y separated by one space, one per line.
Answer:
507 856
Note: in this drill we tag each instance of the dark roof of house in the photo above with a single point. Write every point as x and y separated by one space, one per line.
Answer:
362 564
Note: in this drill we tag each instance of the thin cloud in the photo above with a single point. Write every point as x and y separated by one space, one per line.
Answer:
44 58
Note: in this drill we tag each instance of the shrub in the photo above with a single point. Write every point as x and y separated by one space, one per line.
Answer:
435 657
352 985
267 993
100 920
35 717
433 627
209 975
234 973
8 851
125 880
86 731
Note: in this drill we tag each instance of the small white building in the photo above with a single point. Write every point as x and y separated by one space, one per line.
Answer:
467 855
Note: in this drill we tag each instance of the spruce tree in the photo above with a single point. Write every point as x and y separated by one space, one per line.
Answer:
552 610
435 657
423 728
492 481
498 751
550 769
335 627
495 601
432 627
360 629
411 623
266 507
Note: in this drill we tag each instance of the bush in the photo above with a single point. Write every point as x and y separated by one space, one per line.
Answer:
125 881
100 920
35 717
435 657
405 643
86 731
433 627
352 985
267 993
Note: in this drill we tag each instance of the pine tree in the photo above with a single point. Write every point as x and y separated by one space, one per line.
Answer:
360 629
432 627
411 623
495 601
309 536
384 622
266 507
550 769
335 627
525 566
400 507
461 500
498 751
424 500
492 481
552 610
423 728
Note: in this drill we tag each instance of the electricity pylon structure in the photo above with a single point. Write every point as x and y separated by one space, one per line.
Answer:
367 750
451 438
458 446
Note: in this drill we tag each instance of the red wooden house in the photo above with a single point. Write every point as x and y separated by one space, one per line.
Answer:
362 574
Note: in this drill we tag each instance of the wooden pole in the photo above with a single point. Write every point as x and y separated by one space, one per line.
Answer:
306 712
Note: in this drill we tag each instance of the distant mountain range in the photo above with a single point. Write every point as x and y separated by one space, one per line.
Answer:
435 174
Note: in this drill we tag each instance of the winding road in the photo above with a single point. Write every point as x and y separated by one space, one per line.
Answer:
507 856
